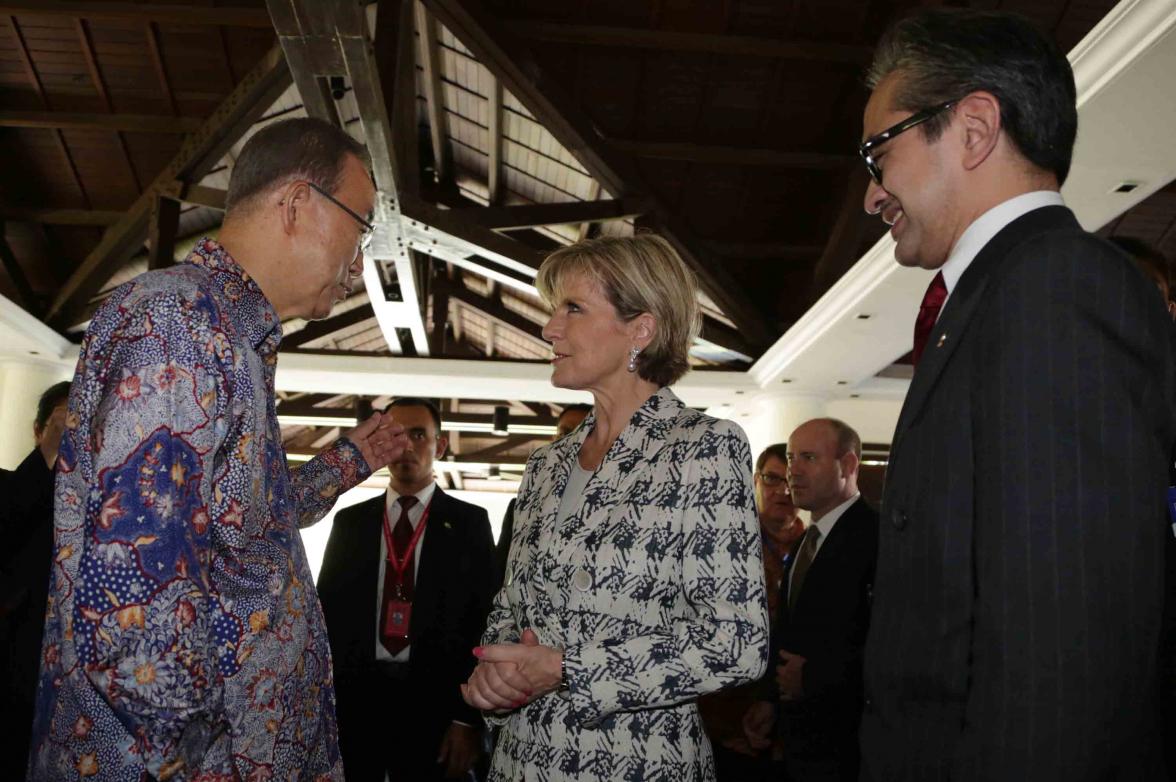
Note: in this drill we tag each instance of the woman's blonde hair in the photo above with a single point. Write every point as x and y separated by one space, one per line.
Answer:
638 274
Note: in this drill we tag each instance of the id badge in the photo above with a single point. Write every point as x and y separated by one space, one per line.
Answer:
397 619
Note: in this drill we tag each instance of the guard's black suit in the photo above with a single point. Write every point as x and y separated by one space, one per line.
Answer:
397 722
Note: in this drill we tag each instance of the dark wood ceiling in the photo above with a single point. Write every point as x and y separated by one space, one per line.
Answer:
729 124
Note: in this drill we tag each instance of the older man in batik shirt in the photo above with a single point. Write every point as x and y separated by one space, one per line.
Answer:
184 637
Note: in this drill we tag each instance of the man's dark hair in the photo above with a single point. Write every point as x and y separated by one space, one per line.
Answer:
578 407
944 54
1150 260
416 401
53 396
301 148
779 450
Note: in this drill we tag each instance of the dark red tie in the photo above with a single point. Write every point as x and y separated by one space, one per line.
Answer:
401 535
928 313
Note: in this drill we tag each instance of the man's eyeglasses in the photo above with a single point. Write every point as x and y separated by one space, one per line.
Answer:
365 238
771 480
866 150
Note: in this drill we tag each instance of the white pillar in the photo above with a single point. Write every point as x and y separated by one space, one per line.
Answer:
21 386
771 416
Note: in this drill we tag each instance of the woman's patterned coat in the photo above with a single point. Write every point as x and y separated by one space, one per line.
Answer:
653 588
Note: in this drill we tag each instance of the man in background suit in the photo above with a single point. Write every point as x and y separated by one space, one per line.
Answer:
817 640
26 527
401 642
1017 604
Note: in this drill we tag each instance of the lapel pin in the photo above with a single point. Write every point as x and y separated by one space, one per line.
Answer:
942 339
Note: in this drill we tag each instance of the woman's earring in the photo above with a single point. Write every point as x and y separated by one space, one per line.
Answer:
633 354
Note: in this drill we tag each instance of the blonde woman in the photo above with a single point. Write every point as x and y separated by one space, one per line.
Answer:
635 580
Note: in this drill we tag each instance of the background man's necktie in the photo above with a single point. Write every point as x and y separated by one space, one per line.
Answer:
804 558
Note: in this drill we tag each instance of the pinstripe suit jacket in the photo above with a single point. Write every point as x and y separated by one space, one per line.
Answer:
1018 592
653 588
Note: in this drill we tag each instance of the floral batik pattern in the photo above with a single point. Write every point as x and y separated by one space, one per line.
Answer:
654 590
184 638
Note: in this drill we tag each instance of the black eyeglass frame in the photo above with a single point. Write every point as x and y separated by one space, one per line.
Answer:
365 239
868 146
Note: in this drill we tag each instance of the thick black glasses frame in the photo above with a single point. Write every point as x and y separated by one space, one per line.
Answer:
866 150
366 237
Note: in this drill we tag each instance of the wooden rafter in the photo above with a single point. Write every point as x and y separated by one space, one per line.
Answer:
765 251
31 71
155 12
494 308
508 58
104 95
841 249
434 96
511 442
162 227
708 43
151 33
586 226
16 274
494 165
93 217
199 153
534 215
72 120
735 156
324 328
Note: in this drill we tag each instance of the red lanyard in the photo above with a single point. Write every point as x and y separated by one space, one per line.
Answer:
400 565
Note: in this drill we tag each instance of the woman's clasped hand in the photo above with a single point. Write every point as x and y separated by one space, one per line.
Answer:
511 675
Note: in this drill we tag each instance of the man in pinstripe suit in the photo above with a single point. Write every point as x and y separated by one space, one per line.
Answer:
1018 592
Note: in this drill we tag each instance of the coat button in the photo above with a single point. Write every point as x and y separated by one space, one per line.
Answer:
898 519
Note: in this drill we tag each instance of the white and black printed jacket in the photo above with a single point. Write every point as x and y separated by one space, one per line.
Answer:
653 589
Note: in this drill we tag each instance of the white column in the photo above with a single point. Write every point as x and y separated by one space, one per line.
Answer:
770 417
21 386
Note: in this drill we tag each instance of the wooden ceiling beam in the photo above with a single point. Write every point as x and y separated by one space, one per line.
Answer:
31 71
324 328
70 120
200 152
93 217
202 195
508 58
735 156
507 218
842 249
765 251
151 33
703 43
434 96
104 94
495 309
155 12
28 299
494 166
162 227
511 442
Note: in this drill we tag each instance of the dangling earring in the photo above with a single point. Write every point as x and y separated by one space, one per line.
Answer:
633 354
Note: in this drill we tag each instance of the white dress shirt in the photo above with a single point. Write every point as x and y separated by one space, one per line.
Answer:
988 225
415 514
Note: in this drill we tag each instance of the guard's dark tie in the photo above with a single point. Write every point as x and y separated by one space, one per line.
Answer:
804 558
928 313
401 535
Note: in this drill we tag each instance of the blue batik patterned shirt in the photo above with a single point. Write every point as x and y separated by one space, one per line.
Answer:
184 638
